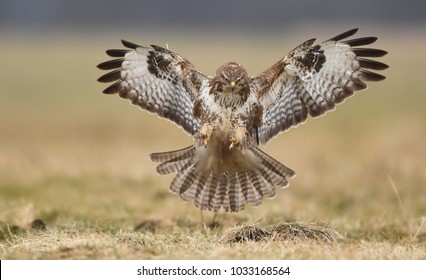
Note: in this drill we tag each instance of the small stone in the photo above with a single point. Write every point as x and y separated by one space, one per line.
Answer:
38 224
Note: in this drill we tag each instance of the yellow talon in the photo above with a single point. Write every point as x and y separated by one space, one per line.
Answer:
204 138
234 143
205 133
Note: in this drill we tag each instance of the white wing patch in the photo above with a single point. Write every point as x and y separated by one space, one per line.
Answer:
312 79
157 80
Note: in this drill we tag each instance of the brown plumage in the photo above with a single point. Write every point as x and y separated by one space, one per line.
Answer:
229 114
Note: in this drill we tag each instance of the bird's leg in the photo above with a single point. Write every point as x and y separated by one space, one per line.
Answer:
239 138
214 219
206 226
203 224
205 133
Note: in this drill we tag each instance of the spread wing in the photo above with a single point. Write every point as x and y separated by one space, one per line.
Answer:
312 79
156 79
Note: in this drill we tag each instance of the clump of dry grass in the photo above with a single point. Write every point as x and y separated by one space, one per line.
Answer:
298 230
280 231
244 233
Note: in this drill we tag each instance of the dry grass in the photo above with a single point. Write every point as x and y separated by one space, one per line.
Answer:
76 181
295 231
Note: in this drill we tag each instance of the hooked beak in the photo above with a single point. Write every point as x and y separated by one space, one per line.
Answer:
233 85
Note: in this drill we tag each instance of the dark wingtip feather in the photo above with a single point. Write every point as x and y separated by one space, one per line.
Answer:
130 45
112 89
110 77
369 52
111 64
372 64
358 85
371 76
116 53
360 41
344 35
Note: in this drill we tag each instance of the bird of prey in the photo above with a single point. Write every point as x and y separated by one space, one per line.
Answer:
229 114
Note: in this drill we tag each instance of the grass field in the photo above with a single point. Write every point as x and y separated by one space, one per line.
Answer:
78 161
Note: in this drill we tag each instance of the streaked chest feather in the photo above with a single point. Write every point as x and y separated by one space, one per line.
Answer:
221 110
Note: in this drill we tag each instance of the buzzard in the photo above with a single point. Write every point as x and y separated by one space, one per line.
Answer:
229 114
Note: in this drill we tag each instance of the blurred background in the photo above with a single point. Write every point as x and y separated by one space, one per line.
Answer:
63 143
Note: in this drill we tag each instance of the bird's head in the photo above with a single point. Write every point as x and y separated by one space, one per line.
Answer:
233 79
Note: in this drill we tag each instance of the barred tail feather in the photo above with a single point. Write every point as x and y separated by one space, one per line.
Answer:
236 199
173 161
166 156
244 177
177 186
209 193
249 193
201 187
221 200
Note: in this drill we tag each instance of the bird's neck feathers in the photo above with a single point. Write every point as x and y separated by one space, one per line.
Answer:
227 98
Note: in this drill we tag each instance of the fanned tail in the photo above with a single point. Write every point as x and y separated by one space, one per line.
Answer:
239 178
